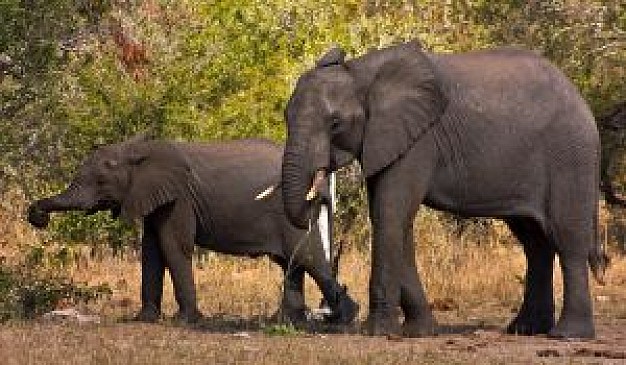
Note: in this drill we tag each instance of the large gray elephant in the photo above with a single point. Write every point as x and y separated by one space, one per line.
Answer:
202 193
491 133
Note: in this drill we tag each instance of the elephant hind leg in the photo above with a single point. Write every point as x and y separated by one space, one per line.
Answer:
536 315
292 308
574 233
576 320
344 309
311 257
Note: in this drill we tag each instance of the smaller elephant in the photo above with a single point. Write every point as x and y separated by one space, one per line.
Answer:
200 193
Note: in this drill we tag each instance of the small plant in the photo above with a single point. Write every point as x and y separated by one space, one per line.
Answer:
282 330
25 294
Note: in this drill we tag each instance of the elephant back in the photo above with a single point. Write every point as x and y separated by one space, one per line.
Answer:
229 177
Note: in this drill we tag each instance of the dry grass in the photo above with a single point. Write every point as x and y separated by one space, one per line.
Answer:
470 286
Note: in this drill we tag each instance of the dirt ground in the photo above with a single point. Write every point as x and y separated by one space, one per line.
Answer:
474 291
129 343
237 329
245 343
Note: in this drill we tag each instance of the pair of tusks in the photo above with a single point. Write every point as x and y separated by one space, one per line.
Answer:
318 180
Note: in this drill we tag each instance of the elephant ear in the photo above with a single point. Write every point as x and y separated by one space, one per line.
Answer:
158 177
405 100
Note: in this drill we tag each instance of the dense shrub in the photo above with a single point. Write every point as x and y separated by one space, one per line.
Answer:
26 292
78 73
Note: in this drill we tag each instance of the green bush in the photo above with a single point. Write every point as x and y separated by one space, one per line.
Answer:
25 294
223 70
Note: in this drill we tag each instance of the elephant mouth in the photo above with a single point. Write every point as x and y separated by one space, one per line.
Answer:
38 217
101 205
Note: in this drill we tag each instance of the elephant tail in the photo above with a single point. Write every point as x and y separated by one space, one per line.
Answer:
598 262
612 197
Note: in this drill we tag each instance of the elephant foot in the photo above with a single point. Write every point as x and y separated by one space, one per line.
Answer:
382 324
147 315
291 315
419 327
188 316
573 329
530 325
344 310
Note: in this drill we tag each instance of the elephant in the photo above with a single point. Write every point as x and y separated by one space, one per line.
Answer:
498 133
200 193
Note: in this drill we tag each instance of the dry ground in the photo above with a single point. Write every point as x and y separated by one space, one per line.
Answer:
239 295
474 290
115 343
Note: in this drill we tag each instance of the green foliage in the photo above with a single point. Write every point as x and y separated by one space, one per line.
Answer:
70 77
282 330
32 35
584 38
76 228
351 215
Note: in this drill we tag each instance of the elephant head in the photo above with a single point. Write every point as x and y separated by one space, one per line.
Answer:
372 108
131 179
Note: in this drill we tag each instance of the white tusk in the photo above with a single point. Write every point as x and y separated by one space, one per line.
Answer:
318 180
312 193
265 193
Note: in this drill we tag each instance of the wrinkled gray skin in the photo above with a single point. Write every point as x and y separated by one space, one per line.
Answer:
188 193
493 133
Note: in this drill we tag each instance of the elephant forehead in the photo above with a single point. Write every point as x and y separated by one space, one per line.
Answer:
320 79
325 92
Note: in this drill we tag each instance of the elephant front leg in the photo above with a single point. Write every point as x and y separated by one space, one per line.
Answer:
387 270
418 317
394 197
181 272
176 233
384 296
152 273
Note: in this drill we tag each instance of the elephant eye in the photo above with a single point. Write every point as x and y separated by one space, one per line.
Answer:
110 164
100 179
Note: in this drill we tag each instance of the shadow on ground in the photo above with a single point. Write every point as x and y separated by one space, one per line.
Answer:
225 323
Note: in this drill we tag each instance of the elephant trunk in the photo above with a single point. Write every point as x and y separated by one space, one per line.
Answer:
74 198
303 177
